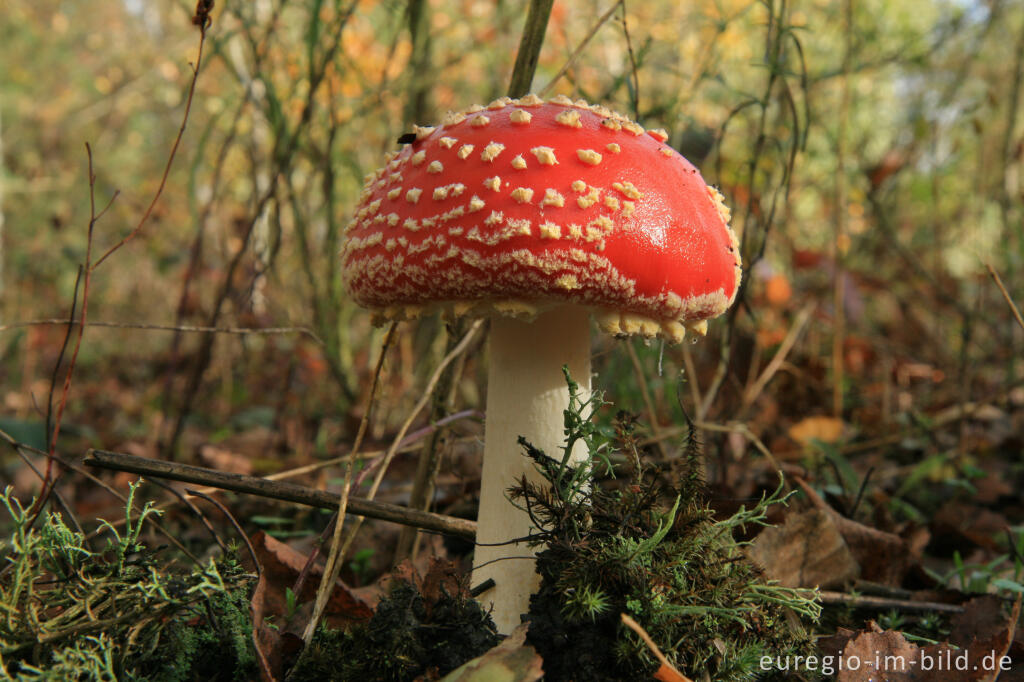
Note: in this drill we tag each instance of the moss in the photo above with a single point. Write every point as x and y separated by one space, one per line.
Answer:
651 549
117 613
411 634
215 643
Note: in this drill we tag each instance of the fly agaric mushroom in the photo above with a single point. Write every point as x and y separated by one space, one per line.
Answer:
539 214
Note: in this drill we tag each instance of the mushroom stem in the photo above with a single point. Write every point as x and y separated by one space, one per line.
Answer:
526 396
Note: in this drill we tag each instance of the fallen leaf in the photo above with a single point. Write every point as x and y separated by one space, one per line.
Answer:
807 550
878 656
266 639
510 661
824 429
442 579
281 566
225 460
958 523
983 619
883 557
886 656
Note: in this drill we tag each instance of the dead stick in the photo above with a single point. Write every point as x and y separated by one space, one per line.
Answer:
865 602
289 492
1006 294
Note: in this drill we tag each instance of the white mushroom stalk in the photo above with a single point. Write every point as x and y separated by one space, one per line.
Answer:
526 396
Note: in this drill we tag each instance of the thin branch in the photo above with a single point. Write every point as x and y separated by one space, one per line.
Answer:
332 566
859 601
168 328
234 522
780 356
1006 294
192 508
579 48
635 94
170 159
382 464
429 461
409 443
840 233
692 380
85 274
645 393
287 492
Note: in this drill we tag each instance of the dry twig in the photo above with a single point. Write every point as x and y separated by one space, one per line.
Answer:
860 601
333 565
579 48
1006 294
288 492
196 329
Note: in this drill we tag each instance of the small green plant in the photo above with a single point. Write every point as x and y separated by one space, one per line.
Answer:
361 566
651 549
987 577
68 612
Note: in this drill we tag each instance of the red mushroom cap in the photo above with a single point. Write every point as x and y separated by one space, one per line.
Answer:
524 204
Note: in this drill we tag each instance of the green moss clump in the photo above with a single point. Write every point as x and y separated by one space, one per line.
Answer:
215 643
414 632
652 550
72 613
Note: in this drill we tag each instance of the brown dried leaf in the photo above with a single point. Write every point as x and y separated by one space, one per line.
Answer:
883 557
266 639
510 661
225 460
281 566
960 524
985 618
805 551
824 429
883 656
442 578
878 656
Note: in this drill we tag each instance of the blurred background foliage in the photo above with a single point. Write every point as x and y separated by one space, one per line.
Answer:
871 152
